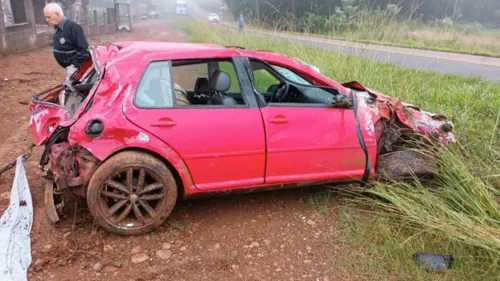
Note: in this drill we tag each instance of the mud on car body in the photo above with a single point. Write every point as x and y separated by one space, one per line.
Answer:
148 123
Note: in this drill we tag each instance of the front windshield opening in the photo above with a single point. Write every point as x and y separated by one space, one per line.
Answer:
315 68
290 75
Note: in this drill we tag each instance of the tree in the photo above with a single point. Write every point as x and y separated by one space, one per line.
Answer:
483 11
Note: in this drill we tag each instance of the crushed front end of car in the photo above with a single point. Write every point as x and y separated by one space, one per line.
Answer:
403 132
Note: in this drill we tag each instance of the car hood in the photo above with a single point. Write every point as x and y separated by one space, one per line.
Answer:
405 115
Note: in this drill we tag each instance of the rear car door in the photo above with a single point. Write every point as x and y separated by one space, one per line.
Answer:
308 138
223 146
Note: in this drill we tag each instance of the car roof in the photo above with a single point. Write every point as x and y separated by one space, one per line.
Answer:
144 50
153 51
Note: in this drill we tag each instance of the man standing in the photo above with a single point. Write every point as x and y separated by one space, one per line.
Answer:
70 44
241 22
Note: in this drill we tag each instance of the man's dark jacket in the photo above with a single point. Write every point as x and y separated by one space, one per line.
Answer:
70 44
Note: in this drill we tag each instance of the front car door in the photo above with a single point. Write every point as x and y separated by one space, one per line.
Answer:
307 137
223 146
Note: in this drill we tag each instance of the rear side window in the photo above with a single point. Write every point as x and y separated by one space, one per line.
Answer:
155 89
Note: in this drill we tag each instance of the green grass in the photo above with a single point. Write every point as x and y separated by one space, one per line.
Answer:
382 248
264 80
229 69
486 43
377 245
460 217
376 27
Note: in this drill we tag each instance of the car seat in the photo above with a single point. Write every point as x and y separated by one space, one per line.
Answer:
220 83
201 93
202 86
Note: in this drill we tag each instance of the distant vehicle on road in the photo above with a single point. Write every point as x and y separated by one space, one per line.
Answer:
180 7
213 17
153 14
143 11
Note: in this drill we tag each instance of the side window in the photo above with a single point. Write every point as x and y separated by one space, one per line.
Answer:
265 81
193 81
155 89
228 67
270 81
185 76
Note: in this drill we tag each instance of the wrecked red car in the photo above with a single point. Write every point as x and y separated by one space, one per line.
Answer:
147 123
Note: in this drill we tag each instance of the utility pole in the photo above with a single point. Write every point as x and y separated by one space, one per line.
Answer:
76 10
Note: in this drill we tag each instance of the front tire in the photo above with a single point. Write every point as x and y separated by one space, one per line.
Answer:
406 164
132 193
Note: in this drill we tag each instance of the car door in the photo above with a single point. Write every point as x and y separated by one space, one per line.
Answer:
222 146
308 141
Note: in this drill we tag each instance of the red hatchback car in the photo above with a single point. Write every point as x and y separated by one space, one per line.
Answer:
147 123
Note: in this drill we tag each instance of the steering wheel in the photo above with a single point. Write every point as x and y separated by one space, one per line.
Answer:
280 93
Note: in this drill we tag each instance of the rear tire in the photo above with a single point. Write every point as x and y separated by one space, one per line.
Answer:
132 193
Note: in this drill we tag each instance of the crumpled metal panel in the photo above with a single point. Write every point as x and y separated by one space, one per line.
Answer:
394 110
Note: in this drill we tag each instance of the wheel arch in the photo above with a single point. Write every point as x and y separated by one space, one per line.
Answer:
116 139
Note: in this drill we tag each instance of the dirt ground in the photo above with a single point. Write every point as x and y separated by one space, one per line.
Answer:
262 236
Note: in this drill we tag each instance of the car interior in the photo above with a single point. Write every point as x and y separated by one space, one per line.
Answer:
218 86
280 85
275 84
215 83
214 91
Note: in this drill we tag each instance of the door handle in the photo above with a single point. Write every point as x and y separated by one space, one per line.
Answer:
280 119
164 123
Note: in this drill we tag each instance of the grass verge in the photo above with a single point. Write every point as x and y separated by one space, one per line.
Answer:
430 39
388 27
461 217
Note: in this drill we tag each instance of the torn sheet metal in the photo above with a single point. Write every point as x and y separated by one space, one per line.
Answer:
15 229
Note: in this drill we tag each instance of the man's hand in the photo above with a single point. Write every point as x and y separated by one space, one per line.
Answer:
70 70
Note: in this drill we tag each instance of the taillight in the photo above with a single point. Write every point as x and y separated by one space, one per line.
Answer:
51 125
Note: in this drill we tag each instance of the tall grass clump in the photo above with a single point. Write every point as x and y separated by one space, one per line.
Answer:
461 204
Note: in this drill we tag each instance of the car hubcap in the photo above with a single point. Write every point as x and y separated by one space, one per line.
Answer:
132 197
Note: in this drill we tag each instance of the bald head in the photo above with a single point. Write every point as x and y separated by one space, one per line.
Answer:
53 14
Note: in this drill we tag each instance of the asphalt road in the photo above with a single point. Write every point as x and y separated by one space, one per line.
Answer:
467 65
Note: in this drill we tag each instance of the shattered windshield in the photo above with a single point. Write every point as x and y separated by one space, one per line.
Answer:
290 75
310 65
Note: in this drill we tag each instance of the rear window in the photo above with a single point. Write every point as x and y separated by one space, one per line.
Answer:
155 89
